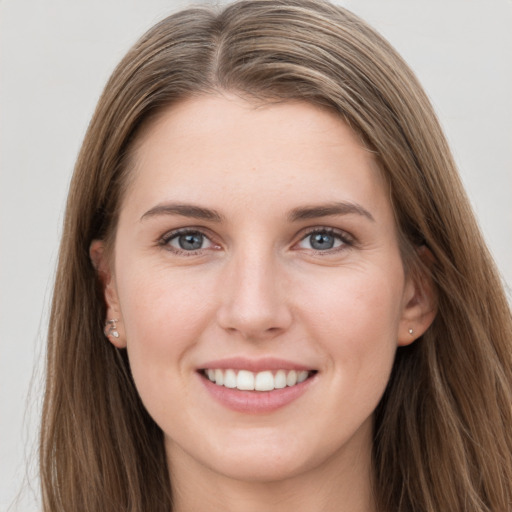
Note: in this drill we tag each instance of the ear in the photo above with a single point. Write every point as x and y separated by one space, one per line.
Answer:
107 281
420 300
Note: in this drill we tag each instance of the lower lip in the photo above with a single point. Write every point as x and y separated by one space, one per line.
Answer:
255 402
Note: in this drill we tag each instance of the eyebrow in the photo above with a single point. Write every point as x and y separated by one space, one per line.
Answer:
325 210
297 214
184 210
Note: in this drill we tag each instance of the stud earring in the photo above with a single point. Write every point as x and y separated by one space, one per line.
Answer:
411 332
111 328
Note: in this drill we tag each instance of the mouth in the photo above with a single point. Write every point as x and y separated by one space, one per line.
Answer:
246 380
256 386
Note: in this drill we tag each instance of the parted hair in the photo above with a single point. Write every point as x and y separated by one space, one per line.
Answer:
443 429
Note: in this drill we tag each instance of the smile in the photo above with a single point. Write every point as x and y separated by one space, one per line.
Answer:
245 380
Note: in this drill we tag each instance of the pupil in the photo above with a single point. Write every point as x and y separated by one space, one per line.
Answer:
322 241
191 242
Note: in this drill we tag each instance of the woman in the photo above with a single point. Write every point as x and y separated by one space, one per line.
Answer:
272 293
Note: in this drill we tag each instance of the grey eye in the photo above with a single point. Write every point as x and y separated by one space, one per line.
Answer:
192 241
321 241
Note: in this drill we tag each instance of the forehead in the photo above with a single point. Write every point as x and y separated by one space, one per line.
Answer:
215 144
208 115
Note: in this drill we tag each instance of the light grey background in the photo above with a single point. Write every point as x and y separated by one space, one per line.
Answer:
55 58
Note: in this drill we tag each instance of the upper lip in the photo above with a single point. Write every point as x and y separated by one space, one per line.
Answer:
254 365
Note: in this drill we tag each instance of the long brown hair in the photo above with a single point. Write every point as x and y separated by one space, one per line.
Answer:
443 430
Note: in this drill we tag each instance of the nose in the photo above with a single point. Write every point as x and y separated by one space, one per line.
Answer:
254 304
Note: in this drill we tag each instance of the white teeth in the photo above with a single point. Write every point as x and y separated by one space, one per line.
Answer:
291 378
230 379
245 380
264 381
280 379
219 377
301 377
261 381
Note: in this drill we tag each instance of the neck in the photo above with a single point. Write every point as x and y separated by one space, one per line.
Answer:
340 484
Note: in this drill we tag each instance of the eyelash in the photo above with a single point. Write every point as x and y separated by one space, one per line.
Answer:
342 236
168 237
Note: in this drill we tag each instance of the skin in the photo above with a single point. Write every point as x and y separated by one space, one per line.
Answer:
257 288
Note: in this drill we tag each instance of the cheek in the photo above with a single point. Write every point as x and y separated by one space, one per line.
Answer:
355 318
164 315
157 299
354 301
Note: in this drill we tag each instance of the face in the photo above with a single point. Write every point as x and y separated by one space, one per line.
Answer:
259 287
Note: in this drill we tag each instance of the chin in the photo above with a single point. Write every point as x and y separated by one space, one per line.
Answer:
268 456
275 468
